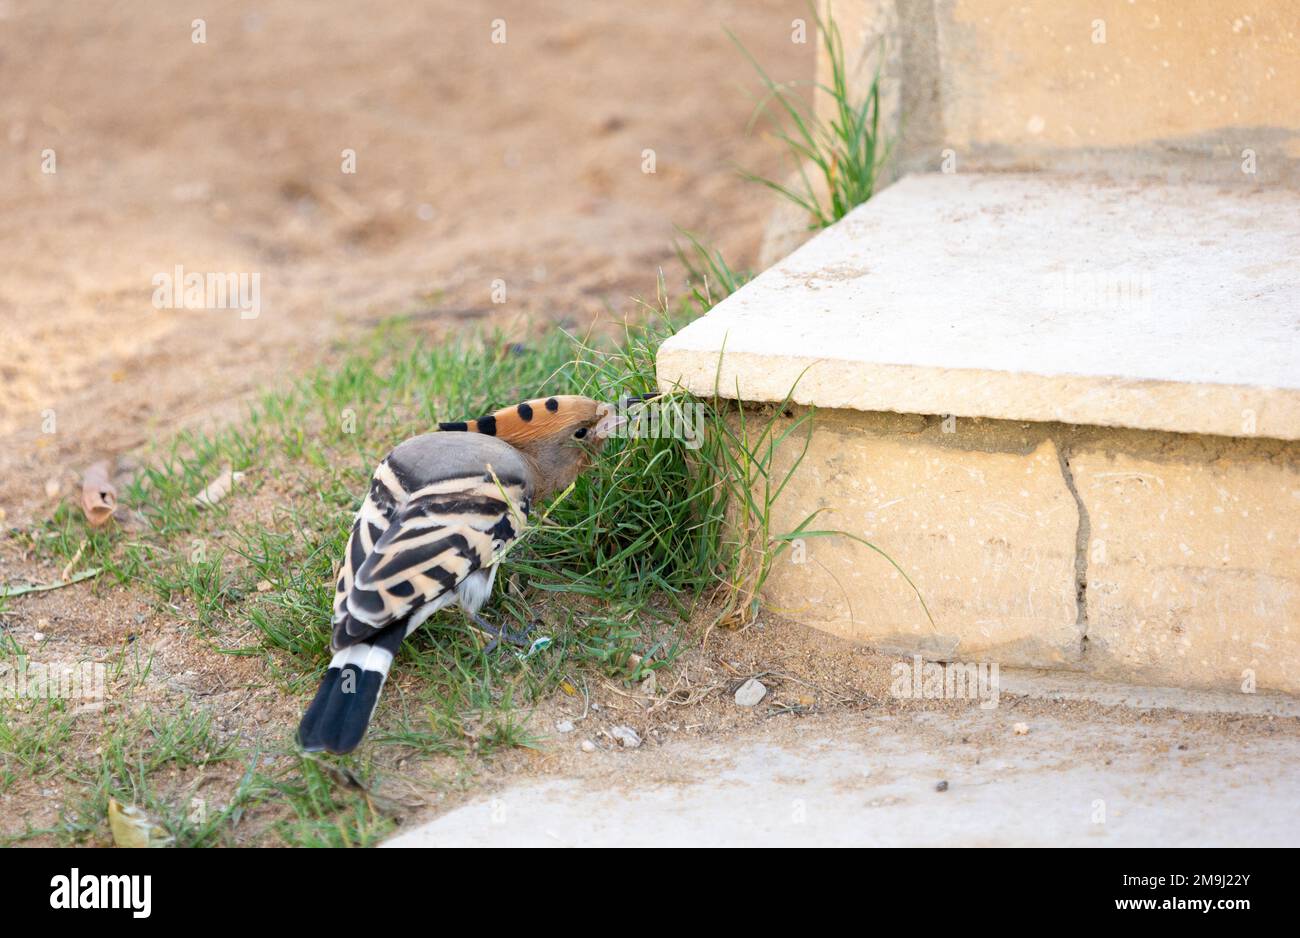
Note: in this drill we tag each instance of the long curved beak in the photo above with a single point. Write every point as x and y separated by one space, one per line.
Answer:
639 398
612 417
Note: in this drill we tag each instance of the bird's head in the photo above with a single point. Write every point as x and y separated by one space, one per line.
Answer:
559 435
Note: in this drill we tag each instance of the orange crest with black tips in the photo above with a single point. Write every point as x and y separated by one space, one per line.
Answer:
533 419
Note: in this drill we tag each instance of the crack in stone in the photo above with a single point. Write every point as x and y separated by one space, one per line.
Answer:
1082 538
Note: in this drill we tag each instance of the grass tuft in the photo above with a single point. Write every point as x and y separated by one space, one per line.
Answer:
846 152
708 276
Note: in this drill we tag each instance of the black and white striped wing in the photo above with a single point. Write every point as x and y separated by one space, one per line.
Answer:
376 514
434 538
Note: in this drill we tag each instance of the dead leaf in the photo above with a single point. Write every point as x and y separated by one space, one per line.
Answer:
98 496
132 827
218 488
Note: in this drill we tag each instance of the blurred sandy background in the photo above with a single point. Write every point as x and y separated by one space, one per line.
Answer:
475 161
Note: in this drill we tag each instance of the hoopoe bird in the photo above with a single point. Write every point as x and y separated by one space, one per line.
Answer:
442 508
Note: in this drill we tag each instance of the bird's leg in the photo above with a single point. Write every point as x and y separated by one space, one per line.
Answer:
500 633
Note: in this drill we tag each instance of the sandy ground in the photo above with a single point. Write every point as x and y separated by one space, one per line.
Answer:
476 161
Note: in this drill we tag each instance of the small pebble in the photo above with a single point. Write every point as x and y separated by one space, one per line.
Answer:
588 746
38 636
564 726
1021 729
751 693
942 786
626 736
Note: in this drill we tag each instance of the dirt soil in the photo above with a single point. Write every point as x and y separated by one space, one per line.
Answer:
476 161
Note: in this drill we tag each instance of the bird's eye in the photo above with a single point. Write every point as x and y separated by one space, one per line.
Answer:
580 433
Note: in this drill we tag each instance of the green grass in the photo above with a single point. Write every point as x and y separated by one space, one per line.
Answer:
709 277
31 739
848 151
613 575
329 809
133 752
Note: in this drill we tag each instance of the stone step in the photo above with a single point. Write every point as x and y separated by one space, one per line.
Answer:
1066 407
1026 297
